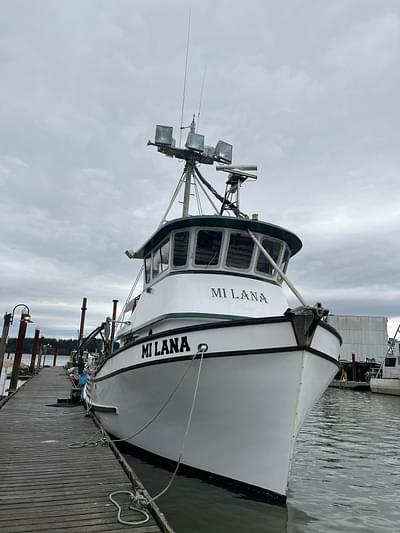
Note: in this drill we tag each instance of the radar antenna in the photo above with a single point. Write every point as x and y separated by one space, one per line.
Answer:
237 176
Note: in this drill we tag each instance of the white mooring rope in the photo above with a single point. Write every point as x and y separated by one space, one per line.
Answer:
202 348
136 499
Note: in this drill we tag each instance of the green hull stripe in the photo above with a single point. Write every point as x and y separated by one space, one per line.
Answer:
169 316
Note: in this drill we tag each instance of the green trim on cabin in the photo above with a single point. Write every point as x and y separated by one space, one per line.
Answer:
243 224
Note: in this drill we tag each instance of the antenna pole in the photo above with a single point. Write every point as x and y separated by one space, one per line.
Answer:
189 171
201 96
184 80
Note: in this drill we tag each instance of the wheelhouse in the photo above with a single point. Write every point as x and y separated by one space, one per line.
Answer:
212 244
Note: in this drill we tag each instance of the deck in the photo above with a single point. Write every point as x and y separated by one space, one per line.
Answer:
47 486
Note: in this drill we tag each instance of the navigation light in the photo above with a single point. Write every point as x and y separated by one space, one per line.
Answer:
163 135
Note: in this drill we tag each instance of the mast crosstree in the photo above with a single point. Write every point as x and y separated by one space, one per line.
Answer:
196 152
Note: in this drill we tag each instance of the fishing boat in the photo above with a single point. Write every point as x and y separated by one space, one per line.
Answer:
212 323
387 379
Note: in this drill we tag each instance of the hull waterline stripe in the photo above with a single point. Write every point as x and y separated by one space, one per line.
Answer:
235 353
257 493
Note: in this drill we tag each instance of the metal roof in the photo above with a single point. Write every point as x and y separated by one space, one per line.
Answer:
243 224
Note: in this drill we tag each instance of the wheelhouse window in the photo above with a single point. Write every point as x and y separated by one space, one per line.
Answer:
274 250
240 251
160 259
181 245
208 247
390 361
164 253
147 268
286 257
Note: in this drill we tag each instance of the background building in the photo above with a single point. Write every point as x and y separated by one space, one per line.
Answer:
365 336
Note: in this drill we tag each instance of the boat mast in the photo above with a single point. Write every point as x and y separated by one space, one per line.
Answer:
193 153
189 171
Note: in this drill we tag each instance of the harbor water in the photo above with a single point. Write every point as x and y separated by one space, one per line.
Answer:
46 360
345 477
25 361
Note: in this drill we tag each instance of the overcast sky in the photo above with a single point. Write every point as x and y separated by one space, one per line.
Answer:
307 90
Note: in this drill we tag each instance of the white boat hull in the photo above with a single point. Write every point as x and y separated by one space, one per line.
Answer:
250 404
386 386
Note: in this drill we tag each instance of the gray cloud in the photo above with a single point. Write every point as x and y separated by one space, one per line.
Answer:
309 91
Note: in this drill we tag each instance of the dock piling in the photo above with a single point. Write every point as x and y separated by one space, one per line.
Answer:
114 317
55 354
18 352
4 336
40 349
35 347
82 324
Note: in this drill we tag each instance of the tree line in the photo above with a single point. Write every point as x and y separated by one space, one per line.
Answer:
64 346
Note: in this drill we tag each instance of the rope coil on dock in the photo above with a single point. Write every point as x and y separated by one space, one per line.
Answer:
138 500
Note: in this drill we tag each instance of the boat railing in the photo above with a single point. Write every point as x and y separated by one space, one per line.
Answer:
389 352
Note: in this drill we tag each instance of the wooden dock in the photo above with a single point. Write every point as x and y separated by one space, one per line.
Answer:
352 385
47 486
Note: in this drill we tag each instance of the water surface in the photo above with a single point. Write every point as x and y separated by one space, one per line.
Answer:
345 477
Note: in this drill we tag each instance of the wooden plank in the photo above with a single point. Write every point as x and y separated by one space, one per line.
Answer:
44 484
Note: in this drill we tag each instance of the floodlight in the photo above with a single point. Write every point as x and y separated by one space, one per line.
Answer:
130 254
223 152
163 135
26 317
195 142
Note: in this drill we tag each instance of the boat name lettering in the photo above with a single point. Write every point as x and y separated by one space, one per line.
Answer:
237 294
165 347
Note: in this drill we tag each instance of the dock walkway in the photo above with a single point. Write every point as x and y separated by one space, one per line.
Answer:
44 484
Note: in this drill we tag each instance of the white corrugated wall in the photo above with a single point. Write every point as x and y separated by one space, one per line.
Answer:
365 336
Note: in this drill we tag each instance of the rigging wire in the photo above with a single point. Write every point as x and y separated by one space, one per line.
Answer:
178 188
122 313
206 194
201 350
222 199
164 405
184 80
201 96
196 190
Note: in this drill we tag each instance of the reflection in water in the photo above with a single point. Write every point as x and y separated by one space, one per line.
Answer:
346 466
345 477
195 506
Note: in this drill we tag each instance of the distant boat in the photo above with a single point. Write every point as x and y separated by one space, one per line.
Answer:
212 295
387 380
